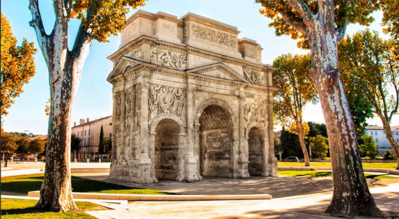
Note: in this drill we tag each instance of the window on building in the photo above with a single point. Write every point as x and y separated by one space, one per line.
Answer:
376 140
375 132
85 132
384 132
371 133
397 133
89 131
81 133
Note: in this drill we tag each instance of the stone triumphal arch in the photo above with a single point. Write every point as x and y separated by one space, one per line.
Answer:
190 99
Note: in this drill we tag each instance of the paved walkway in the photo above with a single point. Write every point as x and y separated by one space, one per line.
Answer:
307 206
287 202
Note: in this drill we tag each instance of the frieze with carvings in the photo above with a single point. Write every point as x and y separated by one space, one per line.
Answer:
253 76
214 36
168 59
255 111
164 99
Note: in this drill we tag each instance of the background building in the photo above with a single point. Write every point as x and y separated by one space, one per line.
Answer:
380 138
89 133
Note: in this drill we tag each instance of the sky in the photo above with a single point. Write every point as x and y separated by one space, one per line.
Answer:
93 99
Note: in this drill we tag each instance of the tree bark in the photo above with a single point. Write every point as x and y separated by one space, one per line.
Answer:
303 146
351 195
56 189
391 139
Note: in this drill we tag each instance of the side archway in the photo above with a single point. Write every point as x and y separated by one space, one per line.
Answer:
256 150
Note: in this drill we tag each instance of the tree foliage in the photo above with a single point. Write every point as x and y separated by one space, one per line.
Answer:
101 145
368 148
317 129
287 20
108 145
390 9
36 146
75 143
369 68
8 143
23 144
17 65
319 145
295 89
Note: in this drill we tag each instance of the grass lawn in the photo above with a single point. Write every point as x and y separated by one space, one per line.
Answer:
32 182
316 164
21 208
327 174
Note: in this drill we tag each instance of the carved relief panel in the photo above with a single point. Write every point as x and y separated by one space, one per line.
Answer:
255 77
215 36
255 111
163 99
137 53
137 111
169 59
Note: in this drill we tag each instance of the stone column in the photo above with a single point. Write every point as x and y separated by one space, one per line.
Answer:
191 162
243 150
144 160
122 126
151 144
270 160
197 148
114 111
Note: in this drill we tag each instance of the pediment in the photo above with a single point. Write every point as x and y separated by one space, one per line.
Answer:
218 70
124 63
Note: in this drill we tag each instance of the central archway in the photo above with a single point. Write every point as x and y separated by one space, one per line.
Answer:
166 149
216 134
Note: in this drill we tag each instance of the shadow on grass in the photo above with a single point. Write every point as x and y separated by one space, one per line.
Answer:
26 183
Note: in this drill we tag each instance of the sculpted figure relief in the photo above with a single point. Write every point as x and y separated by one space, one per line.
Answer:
255 111
138 104
128 108
214 36
169 59
164 99
253 76
138 54
118 106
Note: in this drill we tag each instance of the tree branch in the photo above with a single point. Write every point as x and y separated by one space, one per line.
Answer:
343 23
293 21
302 8
37 24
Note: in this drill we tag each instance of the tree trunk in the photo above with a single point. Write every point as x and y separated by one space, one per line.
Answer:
391 139
303 146
56 189
351 195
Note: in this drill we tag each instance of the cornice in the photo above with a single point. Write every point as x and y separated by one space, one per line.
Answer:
188 49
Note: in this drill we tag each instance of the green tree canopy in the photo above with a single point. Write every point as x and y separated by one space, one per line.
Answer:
368 148
23 144
17 65
370 72
319 145
101 145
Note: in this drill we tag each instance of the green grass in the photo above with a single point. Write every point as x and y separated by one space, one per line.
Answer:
316 164
327 174
21 208
26 183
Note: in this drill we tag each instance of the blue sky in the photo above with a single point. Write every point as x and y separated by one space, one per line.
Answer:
93 99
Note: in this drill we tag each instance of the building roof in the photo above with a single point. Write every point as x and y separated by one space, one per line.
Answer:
375 127
90 122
